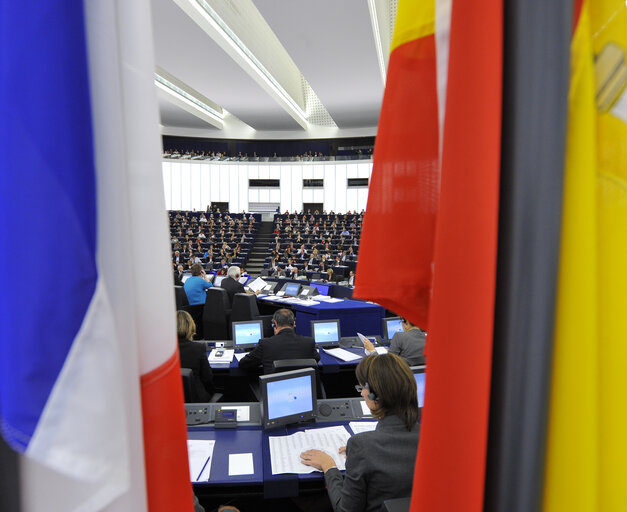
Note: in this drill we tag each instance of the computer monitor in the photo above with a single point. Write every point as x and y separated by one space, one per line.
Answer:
185 277
292 289
308 291
218 280
326 333
247 334
391 326
323 289
288 397
419 375
244 279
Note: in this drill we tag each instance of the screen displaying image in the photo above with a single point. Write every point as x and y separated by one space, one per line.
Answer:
325 332
292 289
394 326
246 333
243 279
290 396
420 384
323 289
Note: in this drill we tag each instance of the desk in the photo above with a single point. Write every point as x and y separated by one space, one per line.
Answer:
251 438
355 316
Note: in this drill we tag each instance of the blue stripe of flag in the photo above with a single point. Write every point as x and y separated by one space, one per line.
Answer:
47 203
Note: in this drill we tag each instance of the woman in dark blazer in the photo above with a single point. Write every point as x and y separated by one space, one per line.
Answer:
380 463
193 355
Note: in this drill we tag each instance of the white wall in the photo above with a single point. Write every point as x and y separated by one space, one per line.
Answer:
193 185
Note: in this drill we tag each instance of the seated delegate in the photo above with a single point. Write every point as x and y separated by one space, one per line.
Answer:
196 286
285 344
193 355
410 344
380 463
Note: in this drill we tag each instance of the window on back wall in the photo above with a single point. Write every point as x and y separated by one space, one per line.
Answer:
357 182
264 183
313 183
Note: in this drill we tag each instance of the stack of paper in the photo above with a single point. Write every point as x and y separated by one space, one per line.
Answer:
200 453
362 426
223 361
285 450
342 354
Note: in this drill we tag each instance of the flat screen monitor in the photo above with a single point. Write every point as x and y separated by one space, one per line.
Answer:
419 375
244 279
308 291
218 280
326 332
292 289
391 326
323 289
247 334
185 277
288 397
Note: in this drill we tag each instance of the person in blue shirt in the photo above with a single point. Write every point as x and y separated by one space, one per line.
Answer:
195 287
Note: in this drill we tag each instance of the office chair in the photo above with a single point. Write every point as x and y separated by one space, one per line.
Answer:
180 297
245 308
285 365
196 313
396 505
189 388
216 316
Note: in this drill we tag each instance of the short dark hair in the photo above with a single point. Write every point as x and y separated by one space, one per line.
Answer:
283 318
392 382
196 269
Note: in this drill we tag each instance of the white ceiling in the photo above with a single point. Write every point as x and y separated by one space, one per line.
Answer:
322 53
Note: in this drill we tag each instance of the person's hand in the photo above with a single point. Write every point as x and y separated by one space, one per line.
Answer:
317 459
368 345
342 449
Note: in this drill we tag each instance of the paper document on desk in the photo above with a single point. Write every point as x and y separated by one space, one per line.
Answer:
241 355
226 357
333 299
200 453
342 354
362 426
285 450
257 284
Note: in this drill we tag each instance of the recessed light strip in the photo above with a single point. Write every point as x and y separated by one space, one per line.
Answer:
159 80
377 38
237 43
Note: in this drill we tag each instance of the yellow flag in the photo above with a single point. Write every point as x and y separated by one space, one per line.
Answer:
587 436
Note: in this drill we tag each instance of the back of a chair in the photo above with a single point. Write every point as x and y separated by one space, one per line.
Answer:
286 365
216 314
180 297
244 307
188 385
196 312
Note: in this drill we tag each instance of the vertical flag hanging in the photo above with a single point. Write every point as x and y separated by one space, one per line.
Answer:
402 200
451 454
90 390
586 460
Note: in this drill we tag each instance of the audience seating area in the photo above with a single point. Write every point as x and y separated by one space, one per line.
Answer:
214 239
306 245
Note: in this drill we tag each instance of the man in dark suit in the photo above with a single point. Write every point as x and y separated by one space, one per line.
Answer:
231 283
285 344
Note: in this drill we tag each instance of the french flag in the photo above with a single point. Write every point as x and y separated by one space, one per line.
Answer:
90 387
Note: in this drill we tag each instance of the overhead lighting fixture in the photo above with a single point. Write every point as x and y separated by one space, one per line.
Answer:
377 38
206 110
234 42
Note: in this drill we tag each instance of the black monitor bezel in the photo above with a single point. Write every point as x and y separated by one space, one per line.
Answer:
418 369
328 320
298 285
246 345
266 422
384 328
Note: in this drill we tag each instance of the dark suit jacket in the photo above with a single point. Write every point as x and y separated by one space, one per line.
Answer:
379 466
193 355
232 287
284 345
